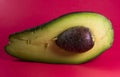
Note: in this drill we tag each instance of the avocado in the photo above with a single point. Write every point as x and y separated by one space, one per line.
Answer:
73 38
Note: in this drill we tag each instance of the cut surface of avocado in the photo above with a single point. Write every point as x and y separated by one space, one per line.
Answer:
43 43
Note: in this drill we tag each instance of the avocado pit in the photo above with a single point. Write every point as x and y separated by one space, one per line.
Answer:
75 39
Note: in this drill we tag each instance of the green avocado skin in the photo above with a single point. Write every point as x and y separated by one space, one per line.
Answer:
38 44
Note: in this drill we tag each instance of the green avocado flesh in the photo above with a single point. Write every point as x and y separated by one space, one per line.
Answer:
43 43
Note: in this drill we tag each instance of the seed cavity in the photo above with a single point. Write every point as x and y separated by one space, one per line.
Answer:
75 39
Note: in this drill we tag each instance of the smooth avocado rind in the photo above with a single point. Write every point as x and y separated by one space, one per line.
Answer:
70 39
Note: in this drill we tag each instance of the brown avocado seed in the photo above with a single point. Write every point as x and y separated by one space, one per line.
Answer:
75 39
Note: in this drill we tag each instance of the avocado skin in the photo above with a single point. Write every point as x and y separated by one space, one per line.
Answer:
44 27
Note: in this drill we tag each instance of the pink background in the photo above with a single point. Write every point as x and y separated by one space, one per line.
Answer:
17 15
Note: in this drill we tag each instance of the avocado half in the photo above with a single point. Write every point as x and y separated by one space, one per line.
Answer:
58 40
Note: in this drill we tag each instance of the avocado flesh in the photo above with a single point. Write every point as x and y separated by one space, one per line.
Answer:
39 45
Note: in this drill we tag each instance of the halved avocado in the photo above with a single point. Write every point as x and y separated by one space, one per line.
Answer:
71 39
